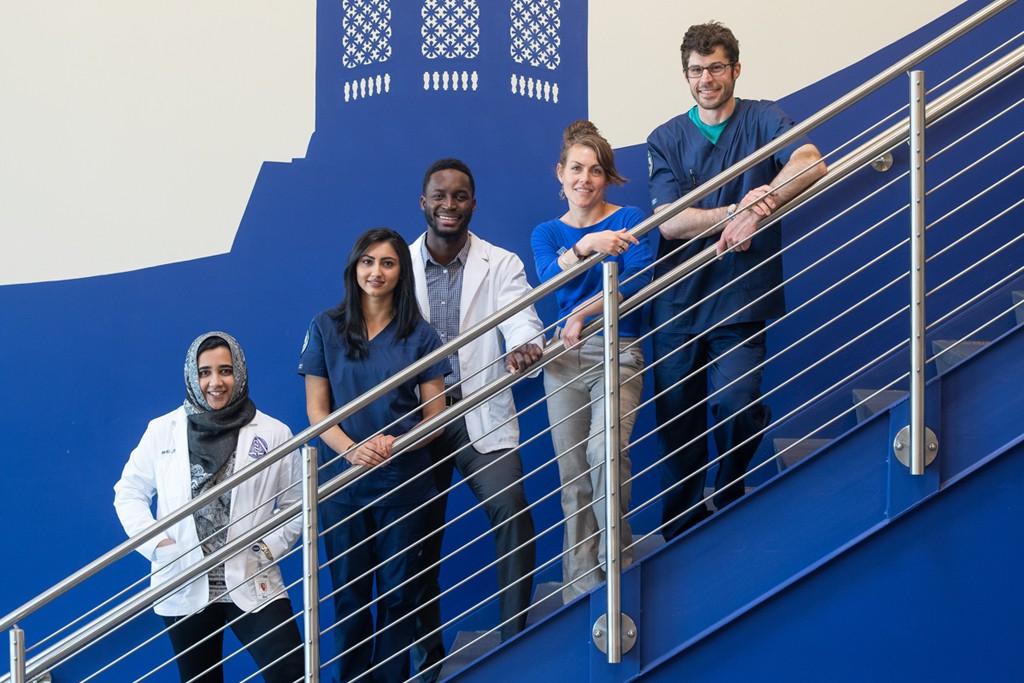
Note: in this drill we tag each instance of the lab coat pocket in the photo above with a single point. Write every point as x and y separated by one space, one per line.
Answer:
165 562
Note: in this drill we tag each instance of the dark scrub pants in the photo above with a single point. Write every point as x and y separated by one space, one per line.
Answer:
734 404
487 474
397 549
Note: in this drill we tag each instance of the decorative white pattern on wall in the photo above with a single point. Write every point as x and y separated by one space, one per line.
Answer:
450 29
361 88
450 80
535 88
366 32
534 33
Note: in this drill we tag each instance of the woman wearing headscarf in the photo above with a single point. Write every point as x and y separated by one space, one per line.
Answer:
372 523
184 453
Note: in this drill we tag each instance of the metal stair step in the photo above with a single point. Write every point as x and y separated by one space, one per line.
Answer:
547 597
880 401
460 658
795 450
957 352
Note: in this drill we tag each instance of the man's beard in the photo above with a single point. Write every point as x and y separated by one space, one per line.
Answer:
450 236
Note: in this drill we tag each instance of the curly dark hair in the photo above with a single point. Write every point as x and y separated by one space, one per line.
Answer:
704 38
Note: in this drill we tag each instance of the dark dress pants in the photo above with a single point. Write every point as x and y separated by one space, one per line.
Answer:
188 631
486 474
384 646
734 404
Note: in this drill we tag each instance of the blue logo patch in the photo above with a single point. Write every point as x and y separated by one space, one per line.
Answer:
258 448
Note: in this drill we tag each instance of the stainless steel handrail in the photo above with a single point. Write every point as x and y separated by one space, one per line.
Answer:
843 167
494 319
941 105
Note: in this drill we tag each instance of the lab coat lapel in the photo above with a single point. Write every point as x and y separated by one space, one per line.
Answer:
420 279
477 266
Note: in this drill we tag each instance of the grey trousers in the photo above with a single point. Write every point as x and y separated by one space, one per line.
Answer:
580 442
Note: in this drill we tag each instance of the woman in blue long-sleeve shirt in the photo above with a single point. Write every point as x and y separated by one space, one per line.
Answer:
591 225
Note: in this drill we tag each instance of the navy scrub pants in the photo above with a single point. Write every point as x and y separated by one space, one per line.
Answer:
387 642
739 395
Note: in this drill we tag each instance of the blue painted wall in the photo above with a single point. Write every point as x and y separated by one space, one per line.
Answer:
87 363
932 597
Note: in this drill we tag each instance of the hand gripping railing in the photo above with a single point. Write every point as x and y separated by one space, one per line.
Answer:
68 645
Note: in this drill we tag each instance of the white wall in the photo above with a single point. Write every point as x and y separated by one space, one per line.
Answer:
132 132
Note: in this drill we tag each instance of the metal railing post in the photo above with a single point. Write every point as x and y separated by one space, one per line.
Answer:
917 281
612 510
17 637
310 566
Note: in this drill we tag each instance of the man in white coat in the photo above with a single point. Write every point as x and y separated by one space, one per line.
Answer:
460 280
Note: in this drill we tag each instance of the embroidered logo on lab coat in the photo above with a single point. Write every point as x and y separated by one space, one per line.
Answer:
258 448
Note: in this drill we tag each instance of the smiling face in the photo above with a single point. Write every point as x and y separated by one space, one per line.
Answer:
216 376
583 178
448 203
377 270
712 92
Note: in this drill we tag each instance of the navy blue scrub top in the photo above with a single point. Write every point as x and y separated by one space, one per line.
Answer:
680 158
324 355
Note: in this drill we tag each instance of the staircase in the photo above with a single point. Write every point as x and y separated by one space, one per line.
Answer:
822 573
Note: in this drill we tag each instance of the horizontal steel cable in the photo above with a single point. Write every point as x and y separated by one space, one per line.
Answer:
639 508
773 390
853 408
167 629
875 226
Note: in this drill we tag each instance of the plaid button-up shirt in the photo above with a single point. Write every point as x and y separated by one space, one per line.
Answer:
444 291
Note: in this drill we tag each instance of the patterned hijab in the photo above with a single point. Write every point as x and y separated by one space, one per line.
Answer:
213 434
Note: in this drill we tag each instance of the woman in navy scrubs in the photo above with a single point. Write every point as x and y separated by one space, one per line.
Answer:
375 332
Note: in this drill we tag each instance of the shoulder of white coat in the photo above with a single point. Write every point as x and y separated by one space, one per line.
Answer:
270 427
498 257
166 422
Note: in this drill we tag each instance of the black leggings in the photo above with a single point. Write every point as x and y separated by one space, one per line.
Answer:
191 629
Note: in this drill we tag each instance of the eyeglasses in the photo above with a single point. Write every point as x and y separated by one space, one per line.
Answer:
716 69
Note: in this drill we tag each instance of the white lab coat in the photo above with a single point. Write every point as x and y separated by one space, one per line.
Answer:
159 466
493 278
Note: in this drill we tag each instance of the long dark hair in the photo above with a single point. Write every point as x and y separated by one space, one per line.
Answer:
349 313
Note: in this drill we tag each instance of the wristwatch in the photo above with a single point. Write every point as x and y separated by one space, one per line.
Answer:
262 547
730 212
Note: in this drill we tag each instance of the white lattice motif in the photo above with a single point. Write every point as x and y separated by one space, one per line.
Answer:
450 29
534 33
534 89
366 32
454 80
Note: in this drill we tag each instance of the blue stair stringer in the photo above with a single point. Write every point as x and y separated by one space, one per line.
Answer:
860 560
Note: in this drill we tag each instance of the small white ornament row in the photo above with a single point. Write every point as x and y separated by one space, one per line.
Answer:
454 80
535 88
367 87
